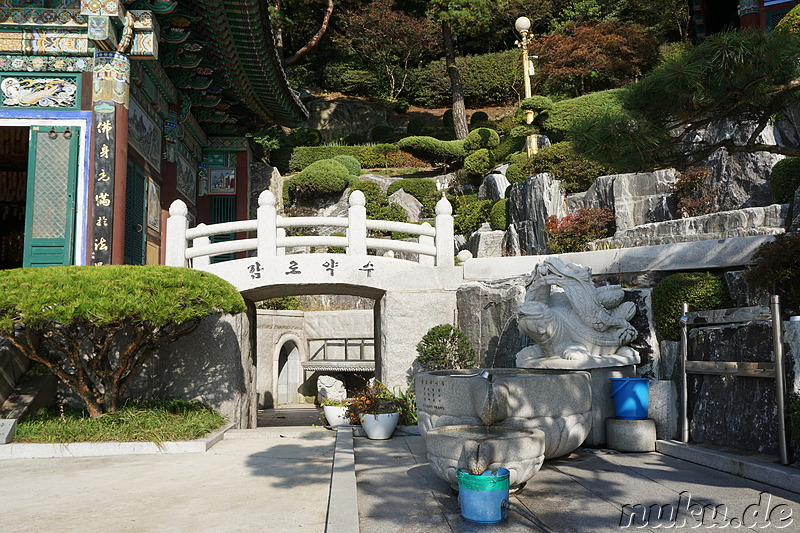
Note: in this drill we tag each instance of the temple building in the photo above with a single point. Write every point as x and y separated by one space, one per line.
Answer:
112 110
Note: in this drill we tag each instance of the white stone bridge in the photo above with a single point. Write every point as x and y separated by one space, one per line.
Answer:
410 296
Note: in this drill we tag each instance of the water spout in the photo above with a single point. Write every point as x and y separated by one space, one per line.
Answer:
483 374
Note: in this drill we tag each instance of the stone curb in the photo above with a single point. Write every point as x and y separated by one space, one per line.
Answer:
342 514
276 432
780 476
96 449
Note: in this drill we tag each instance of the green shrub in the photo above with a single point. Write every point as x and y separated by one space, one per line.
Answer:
790 23
350 163
445 347
347 77
382 133
538 104
488 79
107 318
702 291
378 156
785 179
305 137
320 178
373 193
574 231
557 122
469 216
284 303
355 139
478 117
415 126
481 138
508 145
442 133
576 172
433 150
423 190
477 164
777 268
447 118
519 167
498 216
336 249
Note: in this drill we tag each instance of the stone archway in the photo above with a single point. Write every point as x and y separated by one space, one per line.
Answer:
287 372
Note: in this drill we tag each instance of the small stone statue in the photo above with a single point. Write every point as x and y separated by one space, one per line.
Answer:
577 325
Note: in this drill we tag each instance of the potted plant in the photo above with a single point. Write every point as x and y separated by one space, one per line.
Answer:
376 409
336 411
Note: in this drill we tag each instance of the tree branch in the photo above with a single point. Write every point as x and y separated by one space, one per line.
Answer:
315 39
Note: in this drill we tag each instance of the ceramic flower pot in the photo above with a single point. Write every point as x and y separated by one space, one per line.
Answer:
381 426
336 415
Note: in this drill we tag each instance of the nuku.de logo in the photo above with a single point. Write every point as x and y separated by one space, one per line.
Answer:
688 513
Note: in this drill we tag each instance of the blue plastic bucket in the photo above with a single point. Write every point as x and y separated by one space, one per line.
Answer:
482 496
631 396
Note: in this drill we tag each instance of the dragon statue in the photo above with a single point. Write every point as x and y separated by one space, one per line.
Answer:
573 320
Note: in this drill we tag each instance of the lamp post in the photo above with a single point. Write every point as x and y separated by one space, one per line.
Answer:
523 26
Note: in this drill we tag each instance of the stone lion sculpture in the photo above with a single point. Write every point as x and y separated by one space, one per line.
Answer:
573 320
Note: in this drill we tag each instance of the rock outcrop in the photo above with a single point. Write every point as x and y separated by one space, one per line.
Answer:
530 203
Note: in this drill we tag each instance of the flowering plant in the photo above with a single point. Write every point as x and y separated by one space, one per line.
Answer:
374 399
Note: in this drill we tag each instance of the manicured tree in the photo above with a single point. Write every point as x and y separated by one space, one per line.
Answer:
445 347
741 75
95 327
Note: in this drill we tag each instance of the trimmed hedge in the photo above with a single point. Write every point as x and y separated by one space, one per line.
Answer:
478 117
785 179
469 216
432 149
350 163
373 193
481 138
445 347
320 178
378 156
423 190
577 173
498 216
558 121
478 163
702 290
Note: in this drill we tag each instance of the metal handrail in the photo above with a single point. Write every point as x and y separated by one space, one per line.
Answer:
347 340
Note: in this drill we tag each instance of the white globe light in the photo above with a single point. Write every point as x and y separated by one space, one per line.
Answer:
523 24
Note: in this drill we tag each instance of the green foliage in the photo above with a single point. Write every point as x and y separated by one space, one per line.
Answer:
538 104
415 126
433 150
406 401
785 179
373 193
284 303
566 114
481 138
305 137
136 421
777 268
382 133
381 155
391 211
478 117
445 347
790 23
423 190
469 216
337 249
320 178
477 164
447 118
350 163
508 145
373 399
488 79
701 290
103 296
351 78
576 172
498 216
574 231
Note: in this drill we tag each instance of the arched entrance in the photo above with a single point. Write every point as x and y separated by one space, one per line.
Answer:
288 373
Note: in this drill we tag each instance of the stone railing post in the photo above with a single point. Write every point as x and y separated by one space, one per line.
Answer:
201 261
281 233
357 224
444 233
426 240
177 224
266 233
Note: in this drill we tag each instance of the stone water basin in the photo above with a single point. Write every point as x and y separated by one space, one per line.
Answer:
475 449
556 402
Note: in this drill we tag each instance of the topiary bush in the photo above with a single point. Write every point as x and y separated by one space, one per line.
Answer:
702 291
785 179
576 172
378 156
415 126
95 327
777 268
320 178
469 216
477 164
557 122
447 118
382 133
481 138
790 23
373 193
445 347
498 216
350 163
423 190
519 167
478 117
433 150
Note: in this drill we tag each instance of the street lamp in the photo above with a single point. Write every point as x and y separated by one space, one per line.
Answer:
523 26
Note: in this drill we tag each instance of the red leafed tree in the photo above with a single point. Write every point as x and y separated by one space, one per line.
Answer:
591 56
390 41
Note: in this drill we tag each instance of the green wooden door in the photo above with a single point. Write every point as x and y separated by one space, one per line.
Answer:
50 202
135 198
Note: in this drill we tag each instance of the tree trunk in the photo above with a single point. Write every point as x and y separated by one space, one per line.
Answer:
459 110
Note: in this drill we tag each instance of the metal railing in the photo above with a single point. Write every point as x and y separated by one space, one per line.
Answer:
773 370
